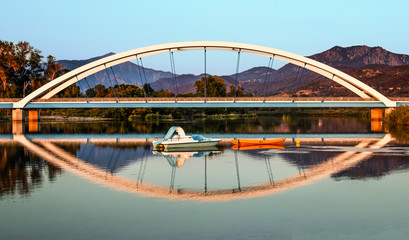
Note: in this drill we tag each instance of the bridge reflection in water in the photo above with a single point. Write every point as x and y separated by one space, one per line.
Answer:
78 162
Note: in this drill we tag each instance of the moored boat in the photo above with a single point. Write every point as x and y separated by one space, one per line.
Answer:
176 138
251 142
253 147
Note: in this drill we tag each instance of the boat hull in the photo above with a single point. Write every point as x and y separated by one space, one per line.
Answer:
253 147
185 146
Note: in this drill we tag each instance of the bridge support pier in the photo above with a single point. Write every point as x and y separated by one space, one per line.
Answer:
18 121
33 115
376 114
17 115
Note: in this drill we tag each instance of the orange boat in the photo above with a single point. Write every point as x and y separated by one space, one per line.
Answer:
252 147
252 142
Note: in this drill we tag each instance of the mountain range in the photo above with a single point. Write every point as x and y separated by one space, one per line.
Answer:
354 60
125 73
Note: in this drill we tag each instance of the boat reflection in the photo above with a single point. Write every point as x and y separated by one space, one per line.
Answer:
177 159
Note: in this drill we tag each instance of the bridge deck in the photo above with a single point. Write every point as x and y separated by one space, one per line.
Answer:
193 99
188 102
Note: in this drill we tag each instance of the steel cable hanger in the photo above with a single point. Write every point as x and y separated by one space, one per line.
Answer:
329 86
146 80
117 83
79 85
299 81
205 74
270 66
110 82
89 87
237 74
140 76
173 70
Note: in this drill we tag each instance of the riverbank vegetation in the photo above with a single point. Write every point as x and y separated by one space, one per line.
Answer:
399 116
397 124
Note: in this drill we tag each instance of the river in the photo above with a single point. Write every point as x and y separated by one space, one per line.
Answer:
333 178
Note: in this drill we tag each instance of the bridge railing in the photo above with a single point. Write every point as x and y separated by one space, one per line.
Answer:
202 99
10 99
400 99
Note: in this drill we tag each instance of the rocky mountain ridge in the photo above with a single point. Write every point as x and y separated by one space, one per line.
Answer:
282 79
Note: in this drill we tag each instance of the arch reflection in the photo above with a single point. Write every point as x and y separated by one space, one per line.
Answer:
59 157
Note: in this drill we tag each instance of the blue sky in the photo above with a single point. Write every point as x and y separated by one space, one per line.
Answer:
84 29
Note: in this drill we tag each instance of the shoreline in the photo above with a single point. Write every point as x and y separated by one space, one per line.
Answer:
72 118
183 114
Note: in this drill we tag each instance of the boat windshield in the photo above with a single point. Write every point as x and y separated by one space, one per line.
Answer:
200 138
174 130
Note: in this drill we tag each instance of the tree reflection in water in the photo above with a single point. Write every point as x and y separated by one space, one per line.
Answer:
21 172
400 133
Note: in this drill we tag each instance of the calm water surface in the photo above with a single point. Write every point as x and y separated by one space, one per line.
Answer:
333 179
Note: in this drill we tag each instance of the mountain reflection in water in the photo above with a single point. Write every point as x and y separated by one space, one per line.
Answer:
27 163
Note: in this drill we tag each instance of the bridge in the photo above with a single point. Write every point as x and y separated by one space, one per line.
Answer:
43 97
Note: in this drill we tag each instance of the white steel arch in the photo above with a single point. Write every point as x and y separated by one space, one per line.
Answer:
66 80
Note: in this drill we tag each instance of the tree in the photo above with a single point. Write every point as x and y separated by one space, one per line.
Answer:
72 91
131 91
20 66
91 92
148 89
163 93
29 72
100 90
53 70
239 91
215 87
7 65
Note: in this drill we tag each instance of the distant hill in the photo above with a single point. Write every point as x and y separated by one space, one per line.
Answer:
186 81
359 56
337 57
391 81
283 79
125 73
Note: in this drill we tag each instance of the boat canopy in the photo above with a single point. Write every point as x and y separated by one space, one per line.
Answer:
173 130
200 138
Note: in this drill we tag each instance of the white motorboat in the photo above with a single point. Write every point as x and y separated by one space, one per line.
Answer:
176 139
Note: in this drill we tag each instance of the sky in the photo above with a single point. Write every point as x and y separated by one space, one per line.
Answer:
85 29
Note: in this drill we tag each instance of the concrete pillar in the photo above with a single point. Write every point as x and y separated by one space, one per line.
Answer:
18 115
33 115
376 114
